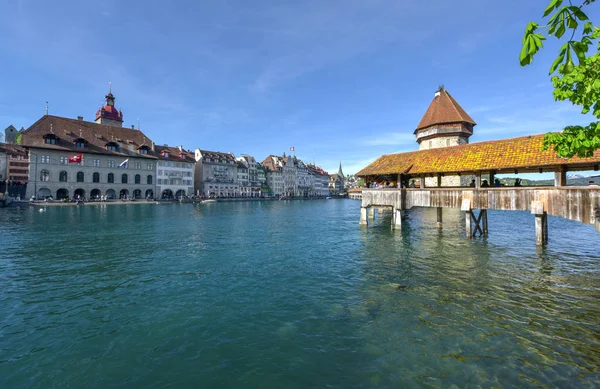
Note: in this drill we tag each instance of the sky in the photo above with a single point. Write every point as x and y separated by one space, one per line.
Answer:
340 81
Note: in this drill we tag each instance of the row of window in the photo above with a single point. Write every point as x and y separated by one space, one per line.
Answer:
175 164
174 173
111 163
166 181
80 177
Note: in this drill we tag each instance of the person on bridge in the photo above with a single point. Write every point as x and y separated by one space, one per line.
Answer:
472 184
485 184
497 183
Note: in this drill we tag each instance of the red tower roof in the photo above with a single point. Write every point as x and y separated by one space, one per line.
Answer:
108 111
444 109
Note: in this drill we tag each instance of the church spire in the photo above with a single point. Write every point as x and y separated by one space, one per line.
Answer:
340 173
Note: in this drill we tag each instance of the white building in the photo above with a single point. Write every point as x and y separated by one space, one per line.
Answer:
320 181
174 172
215 174
257 184
242 177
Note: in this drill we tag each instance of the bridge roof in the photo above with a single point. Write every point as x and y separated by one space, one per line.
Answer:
523 154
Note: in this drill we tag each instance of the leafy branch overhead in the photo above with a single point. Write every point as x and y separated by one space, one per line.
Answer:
575 73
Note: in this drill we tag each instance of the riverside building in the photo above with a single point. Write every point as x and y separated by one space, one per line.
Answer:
215 174
174 172
106 158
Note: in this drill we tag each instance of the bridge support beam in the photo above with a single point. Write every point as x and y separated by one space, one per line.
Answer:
439 218
541 229
397 219
372 213
541 222
363 217
474 224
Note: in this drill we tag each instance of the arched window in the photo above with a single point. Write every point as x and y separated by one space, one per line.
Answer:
80 176
138 179
62 176
124 179
149 179
96 177
44 175
111 178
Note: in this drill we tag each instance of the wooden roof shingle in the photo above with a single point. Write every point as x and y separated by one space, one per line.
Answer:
523 153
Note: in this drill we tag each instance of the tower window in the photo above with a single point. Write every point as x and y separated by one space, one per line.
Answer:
430 144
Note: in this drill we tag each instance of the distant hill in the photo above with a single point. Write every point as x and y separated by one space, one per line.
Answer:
571 181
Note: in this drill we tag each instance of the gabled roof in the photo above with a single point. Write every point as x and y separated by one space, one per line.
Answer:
175 154
444 109
524 153
228 157
97 136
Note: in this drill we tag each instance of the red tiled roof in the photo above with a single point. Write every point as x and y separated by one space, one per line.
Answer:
175 154
14 150
97 135
444 109
524 153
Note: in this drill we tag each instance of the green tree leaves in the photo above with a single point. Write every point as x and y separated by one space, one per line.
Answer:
579 83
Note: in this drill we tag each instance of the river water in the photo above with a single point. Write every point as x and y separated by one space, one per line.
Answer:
293 294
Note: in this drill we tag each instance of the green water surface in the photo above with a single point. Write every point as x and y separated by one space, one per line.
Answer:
293 294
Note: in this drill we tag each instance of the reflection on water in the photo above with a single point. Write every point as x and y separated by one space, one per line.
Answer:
292 295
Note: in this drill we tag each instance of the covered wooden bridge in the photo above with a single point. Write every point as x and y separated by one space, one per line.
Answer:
426 170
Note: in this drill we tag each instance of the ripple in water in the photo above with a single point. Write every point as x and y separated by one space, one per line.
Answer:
293 295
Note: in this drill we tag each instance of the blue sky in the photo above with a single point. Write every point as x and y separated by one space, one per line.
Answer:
338 80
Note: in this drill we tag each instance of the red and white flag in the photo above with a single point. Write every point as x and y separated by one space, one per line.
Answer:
76 158
292 148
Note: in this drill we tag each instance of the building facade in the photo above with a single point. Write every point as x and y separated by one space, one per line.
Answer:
242 177
215 174
320 181
72 158
174 172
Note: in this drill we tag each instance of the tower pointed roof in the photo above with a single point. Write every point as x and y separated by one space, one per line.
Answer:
444 109
340 173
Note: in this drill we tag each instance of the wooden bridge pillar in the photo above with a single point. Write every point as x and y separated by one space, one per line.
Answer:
560 177
371 213
363 216
474 224
397 219
541 223
439 218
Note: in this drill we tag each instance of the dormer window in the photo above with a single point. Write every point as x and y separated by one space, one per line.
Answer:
144 149
80 143
112 146
50 139
165 154
181 156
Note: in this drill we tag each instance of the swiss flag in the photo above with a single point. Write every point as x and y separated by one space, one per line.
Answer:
75 158
292 148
